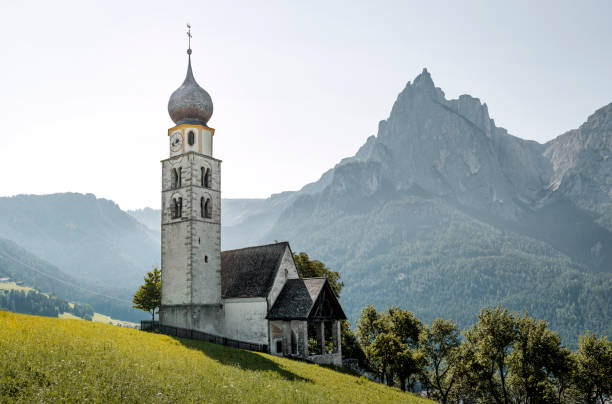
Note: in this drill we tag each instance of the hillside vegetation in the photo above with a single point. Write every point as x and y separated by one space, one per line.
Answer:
54 360
18 264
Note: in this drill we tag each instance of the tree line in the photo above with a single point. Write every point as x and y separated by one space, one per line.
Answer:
503 358
33 302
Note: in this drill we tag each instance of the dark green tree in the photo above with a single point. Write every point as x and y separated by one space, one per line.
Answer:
593 379
399 360
384 351
148 296
309 268
440 348
491 339
536 360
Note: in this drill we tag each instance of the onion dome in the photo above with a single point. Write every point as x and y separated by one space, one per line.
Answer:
190 103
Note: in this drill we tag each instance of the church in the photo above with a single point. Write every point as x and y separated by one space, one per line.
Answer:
249 295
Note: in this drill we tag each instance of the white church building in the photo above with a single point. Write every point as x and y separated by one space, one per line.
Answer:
250 295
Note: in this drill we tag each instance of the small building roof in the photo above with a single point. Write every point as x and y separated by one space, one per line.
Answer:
306 299
250 272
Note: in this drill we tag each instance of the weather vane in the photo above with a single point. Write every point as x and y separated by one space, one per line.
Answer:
189 35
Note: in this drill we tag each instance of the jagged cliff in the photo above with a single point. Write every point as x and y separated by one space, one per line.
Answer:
442 212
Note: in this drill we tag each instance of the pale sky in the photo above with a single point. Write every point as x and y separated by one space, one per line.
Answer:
296 85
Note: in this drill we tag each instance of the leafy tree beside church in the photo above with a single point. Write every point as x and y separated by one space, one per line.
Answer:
148 297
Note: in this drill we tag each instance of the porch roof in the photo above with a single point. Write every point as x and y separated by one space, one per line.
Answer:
306 299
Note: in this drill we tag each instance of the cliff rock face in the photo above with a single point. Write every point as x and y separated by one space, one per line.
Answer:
453 149
582 163
443 212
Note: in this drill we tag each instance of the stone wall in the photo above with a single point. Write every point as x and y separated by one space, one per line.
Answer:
245 320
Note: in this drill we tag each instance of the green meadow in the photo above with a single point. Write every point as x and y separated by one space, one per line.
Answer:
62 360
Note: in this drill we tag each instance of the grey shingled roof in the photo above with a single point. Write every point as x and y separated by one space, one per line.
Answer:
296 299
250 272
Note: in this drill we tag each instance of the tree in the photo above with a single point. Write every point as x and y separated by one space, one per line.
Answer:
407 362
148 296
384 350
399 330
491 340
593 380
308 268
440 346
536 360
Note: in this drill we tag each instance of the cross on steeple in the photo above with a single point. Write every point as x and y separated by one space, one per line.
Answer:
189 35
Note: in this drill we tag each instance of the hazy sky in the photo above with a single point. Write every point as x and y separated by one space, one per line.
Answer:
296 86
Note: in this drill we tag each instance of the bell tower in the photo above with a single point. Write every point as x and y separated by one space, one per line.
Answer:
191 210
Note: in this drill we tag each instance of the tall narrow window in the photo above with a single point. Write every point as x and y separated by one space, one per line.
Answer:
208 209
175 208
180 175
191 138
206 178
175 178
202 208
180 207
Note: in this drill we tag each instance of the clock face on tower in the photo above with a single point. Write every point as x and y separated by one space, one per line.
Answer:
176 141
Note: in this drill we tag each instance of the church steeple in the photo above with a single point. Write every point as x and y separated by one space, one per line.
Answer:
191 209
190 103
190 107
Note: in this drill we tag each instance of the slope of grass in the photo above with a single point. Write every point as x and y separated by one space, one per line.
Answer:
51 360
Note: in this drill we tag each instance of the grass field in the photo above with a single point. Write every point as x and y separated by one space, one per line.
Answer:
52 360
14 286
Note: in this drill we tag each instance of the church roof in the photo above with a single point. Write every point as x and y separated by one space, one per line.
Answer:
250 272
302 298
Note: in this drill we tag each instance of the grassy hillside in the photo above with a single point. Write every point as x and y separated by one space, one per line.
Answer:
54 360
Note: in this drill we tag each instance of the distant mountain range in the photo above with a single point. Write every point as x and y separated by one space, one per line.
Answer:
78 244
442 212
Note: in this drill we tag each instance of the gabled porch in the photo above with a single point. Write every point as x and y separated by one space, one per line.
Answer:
305 322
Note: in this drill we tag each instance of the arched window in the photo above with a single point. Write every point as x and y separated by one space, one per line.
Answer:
206 178
202 208
180 207
175 208
208 209
191 138
174 178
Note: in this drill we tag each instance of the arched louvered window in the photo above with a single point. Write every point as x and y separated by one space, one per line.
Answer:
191 138
208 209
175 208
205 176
177 173
174 179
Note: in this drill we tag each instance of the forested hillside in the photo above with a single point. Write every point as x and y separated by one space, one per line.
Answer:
19 265
90 239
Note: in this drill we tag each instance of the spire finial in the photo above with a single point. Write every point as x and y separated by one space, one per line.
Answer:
189 35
